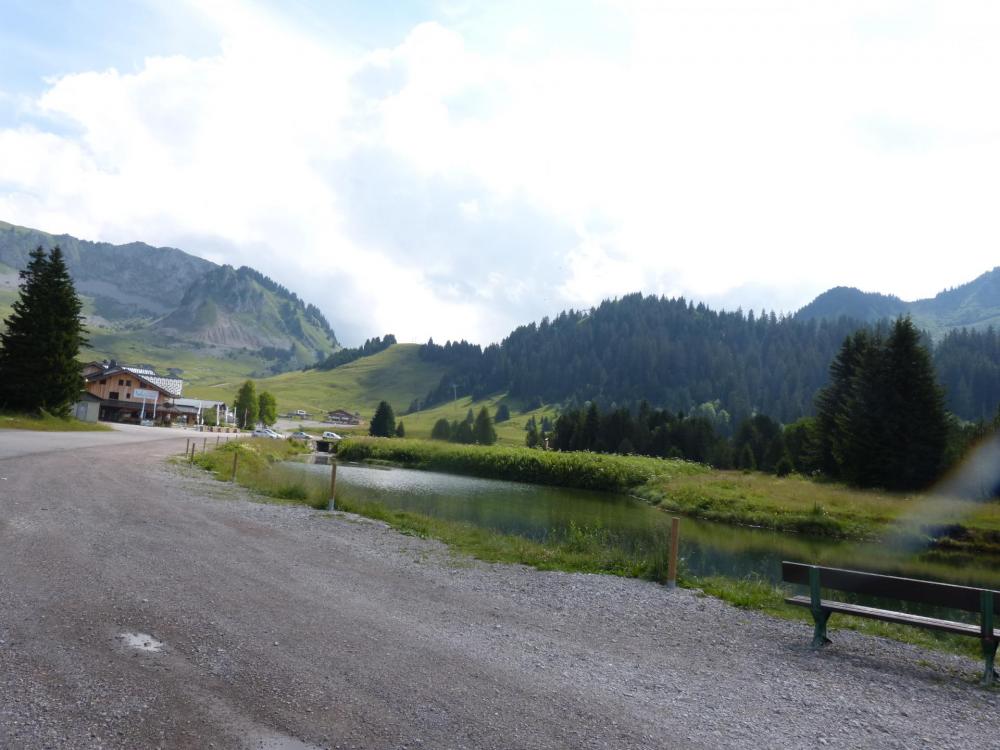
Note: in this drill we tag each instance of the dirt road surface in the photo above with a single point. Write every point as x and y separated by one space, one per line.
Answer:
145 605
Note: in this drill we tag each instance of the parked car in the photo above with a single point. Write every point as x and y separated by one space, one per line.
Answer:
300 435
331 436
267 432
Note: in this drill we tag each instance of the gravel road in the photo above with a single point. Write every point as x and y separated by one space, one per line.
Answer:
145 605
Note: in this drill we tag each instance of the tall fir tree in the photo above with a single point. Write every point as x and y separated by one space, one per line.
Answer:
483 429
44 333
383 423
881 421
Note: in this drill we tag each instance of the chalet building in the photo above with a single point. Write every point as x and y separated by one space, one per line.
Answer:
132 393
343 417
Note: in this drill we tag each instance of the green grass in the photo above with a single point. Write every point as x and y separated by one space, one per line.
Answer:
593 471
396 375
46 422
419 424
802 505
258 467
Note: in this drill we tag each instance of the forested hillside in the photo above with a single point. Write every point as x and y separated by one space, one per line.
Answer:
670 352
678 356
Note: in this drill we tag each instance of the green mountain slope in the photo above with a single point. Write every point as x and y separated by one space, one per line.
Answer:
972 305
165 307
397 375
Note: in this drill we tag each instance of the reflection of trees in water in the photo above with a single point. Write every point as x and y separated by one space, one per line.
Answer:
641 531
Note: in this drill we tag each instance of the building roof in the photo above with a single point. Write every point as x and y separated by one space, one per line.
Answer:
171 387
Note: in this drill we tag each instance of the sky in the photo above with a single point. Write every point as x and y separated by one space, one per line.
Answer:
454 168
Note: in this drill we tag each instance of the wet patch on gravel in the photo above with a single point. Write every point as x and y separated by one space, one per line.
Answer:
141 642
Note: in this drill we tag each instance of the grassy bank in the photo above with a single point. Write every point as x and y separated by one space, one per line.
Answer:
46 422
259 468
801 505
592 471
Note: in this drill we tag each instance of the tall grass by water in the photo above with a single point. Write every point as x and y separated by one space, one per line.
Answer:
806 506
581 470
260 467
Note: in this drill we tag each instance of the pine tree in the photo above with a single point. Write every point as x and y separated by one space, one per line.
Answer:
881 421
483 429
400 430
441 430
531 439
503 414
916 421
384 422
43 336
246 405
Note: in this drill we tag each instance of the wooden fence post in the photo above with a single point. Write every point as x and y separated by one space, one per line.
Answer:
236 458
204 445
187 446
675 524
333 485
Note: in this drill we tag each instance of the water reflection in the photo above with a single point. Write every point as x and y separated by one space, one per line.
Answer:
707 548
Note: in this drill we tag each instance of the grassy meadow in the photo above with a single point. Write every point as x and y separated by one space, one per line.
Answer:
396 375
510 433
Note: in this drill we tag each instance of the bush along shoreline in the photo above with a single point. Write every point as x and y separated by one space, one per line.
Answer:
578 469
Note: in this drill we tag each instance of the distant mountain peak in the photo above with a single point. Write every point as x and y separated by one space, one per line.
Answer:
975 304
137 290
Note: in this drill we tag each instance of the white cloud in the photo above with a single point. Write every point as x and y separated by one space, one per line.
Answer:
452 188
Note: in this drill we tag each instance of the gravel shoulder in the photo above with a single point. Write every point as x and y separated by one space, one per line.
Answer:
284 627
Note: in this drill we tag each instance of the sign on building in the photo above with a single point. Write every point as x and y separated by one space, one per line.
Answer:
146 394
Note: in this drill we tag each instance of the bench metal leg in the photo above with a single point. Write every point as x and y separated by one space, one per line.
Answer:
819 633
820 615
989 657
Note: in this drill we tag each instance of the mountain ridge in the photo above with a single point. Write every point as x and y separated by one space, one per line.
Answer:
975 305
168 295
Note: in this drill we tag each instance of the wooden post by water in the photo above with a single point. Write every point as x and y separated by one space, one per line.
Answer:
236 458
675 532
333 484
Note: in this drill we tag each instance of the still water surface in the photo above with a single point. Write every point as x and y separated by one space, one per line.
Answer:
707 548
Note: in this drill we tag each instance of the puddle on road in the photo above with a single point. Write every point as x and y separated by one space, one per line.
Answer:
142 642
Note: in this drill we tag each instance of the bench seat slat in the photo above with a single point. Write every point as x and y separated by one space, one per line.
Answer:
903 618
875 584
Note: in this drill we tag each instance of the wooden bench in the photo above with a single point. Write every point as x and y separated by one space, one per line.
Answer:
984 602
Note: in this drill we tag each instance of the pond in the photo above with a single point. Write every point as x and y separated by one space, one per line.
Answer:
707 548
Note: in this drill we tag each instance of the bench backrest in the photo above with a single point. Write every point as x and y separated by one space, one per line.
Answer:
965 598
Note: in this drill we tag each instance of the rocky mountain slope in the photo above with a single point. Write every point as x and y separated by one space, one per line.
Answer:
164 295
